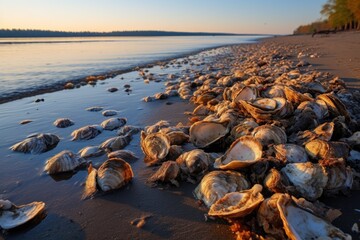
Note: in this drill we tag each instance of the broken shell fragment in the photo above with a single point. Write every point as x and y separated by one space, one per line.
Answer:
237 204
168 172
90 184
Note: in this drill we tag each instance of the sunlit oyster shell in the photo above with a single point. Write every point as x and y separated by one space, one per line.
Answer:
291 153
267 108
237 204
301 224
273 91
216 184
116 143
194 164
204 133
155 146
177 137
334 104
321 132
90 184
63 122
269 134
127 155
157 126
276 182
114 173
309 179
246 93
91 151
168 172
94 109
318 107
319 149
86 133
64 161
243 152
294 96
36 143
12 216
244 128
113 123
174 152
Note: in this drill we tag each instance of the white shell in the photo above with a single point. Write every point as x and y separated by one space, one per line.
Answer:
86 133
63 122
63 162
216 184
269 134
18 215
290 153
243 152
113 123
114 173
237 204
37 143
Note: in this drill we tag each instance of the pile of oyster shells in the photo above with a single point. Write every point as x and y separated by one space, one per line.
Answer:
269 136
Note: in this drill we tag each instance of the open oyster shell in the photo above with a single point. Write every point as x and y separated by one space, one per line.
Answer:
269 134
290 153
243 152
156 146
319 149
12 216
237 204
301 224
204 133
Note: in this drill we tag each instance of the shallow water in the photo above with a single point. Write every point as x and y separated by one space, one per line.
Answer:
28 64
175 212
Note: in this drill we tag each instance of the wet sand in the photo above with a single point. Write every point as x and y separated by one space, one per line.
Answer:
175 213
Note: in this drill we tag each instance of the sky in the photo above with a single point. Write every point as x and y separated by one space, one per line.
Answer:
233 16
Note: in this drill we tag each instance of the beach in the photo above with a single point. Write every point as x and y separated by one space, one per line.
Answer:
175 213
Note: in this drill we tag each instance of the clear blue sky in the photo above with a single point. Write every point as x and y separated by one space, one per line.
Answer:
236 16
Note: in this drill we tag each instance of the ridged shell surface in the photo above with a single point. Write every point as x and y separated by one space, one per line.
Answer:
86 133
63 162
113 123
37 143
63 122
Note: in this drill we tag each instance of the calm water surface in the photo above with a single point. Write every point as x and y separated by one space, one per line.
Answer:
30 63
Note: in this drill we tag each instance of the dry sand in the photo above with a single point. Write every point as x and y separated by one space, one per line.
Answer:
175 213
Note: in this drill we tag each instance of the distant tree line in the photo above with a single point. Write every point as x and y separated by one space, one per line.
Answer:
340 15
7 33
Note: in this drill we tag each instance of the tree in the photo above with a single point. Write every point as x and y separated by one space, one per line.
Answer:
354 7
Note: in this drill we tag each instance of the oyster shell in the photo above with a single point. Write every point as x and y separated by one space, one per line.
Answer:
204 133
113 123
177 137
116 143
243 152
243 128
108 113
268 217
90 151
157 126
168 172
340 177
301 224
63 122
319 149
194 164
309 179
334 104
246 93
318 107
86 133
94 109
237 204
36 143
291 153
216 184
64 161
12 216
128 129
114 173
321 132
269 134
155 146
294 96
127 155
90 184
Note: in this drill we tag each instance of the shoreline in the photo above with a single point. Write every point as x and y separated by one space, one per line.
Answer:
59 86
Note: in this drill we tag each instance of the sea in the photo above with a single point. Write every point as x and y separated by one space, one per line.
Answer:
30 64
